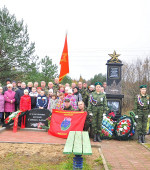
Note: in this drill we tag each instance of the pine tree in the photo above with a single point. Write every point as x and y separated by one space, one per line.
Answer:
49 70
16 53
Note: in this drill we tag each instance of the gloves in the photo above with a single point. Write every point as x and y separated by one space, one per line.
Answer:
136 116
91 114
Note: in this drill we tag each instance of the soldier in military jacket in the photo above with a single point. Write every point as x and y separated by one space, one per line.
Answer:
84 93
97 106
142 110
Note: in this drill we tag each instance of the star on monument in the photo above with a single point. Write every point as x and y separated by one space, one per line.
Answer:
114 57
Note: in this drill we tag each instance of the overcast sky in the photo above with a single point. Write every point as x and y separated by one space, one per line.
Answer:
95 29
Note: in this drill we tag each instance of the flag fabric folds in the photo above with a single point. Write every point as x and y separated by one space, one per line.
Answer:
64 121
64 62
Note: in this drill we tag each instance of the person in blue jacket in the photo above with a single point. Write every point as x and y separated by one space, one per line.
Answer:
42 101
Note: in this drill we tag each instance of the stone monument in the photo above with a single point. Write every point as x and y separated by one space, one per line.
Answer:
114 89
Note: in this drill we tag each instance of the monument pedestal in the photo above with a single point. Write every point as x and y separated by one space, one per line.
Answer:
114 102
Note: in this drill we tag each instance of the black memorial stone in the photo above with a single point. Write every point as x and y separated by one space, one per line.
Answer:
114 88
36 116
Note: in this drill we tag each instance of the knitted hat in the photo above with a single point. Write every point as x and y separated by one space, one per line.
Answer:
70 91
9 85
50 91
8 79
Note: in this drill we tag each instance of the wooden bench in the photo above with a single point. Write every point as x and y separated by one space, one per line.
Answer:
78 143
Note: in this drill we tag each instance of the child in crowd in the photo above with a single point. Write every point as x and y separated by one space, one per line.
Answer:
42 101
25 104
57 94
62 89
60 103
66 90
1 106
52 102
33 94
39 90
50 93
70 96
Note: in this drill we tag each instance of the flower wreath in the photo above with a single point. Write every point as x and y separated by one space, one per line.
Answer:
107 127
124 128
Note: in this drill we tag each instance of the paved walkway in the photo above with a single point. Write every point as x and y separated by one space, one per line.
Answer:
126 155
119 155
22 136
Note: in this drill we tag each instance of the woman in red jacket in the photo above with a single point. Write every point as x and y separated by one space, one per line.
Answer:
25 104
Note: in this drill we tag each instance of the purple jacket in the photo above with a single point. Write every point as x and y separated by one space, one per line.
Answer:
2 103
8 96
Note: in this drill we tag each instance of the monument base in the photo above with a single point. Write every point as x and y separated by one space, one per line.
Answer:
114 102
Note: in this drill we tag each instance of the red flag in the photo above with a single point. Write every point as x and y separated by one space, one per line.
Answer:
64 62
63 121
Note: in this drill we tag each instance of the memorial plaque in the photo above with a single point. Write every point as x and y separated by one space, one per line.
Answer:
36 116
114 72
114 105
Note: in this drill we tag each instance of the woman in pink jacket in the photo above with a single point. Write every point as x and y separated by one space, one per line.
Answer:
1 106
9 97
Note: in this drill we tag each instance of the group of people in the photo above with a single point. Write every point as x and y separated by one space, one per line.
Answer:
75 97
19 96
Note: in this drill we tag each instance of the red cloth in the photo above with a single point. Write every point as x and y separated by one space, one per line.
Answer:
64 121
25 104
64 62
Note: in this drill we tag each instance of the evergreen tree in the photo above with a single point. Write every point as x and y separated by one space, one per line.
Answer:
97 78
16 53
66 79
49 70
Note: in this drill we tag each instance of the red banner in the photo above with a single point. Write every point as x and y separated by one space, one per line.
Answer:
64 62
63 121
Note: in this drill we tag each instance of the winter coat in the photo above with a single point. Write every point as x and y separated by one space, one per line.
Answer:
25 103
2 101
41 101
72 101
52 104
8 96
78 97
33 99
29 89
19 93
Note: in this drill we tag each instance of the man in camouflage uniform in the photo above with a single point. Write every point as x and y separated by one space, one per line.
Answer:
97 106
82 109
84 93
142 110
56 84
43 88
67 105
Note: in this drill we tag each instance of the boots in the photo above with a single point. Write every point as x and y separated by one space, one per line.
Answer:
140 139
94 139
98 137
143 138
